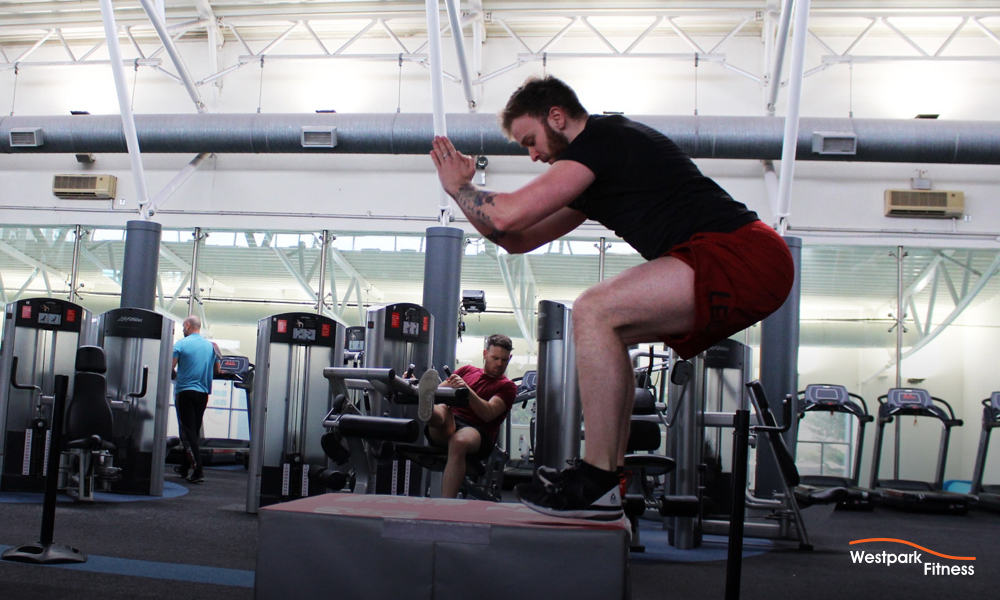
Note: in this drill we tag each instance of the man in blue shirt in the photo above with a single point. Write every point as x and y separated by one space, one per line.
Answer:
196 360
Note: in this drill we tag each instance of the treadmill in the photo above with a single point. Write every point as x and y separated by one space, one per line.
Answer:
917 496
836 399
988 496
215 451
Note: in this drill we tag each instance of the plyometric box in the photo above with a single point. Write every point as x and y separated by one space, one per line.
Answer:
374 547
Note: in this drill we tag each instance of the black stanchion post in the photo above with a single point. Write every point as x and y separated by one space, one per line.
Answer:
734 562
46 552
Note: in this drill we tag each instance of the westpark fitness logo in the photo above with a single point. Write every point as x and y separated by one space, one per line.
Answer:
917 558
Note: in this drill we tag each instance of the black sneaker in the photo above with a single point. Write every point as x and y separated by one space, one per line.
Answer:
181 472
550 476
574 496
196 478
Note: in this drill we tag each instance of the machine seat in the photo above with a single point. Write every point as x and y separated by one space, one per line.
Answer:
89 418
652 463
434 458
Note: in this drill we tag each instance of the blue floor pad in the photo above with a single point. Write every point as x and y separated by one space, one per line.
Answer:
170 490
160 570
713 547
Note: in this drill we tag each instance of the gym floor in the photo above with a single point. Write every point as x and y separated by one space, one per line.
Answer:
200 544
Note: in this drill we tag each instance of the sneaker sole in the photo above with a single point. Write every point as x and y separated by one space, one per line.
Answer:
426 389
589 514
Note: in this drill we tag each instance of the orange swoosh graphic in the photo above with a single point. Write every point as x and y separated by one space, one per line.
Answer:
915 546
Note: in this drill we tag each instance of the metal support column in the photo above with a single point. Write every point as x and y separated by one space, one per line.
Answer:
74 274
324 247
779 367
141 263
442 290
193 297
601 251
900 320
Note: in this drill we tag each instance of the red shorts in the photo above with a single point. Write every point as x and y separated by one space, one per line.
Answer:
740 278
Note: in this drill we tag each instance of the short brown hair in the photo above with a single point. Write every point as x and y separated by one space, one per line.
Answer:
536 97
500 341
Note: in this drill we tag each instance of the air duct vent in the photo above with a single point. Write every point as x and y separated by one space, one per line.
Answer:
26 137
835 143
319 137
932 204
85 187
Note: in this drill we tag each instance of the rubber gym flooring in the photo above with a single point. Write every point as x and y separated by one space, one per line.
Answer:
198 543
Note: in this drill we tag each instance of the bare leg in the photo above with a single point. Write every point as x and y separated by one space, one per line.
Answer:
641 304
465 441
441 424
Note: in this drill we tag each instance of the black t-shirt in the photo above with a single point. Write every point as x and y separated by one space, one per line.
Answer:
646 189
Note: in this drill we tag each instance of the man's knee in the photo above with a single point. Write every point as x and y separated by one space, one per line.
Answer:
587 307
463 443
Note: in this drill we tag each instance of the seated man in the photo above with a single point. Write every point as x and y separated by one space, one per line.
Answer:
473 429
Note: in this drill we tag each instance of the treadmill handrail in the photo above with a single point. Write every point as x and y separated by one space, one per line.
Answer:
949 420
844 407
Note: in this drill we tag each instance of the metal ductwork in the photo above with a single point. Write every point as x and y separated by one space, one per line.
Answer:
749 138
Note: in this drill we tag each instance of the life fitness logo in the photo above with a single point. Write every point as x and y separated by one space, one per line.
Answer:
890 559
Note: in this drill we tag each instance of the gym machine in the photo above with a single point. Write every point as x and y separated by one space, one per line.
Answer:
836 399
711 397
238 372
910 494
290 400
138 345
988 496
559 413
366 434
41 336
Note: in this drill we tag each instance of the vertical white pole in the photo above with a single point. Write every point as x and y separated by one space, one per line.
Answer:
792 118
437 90
128 120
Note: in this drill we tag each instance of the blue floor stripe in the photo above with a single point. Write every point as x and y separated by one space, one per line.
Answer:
170 490
160 570
713 547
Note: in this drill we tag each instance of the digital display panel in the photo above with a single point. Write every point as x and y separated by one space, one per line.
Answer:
299 333
45 318
355 345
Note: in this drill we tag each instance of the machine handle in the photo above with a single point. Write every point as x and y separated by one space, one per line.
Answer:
786 413
383 375
142 390
13 378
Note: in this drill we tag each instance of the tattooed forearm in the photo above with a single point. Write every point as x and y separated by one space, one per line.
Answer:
474 203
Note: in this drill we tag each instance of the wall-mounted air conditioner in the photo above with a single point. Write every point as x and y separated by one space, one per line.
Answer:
933 204
85 187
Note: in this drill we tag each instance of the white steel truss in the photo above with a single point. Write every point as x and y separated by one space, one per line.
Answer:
335 30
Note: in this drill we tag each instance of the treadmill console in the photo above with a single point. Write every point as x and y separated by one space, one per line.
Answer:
829 395
909 398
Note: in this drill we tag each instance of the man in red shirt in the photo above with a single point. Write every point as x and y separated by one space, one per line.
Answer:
472 430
